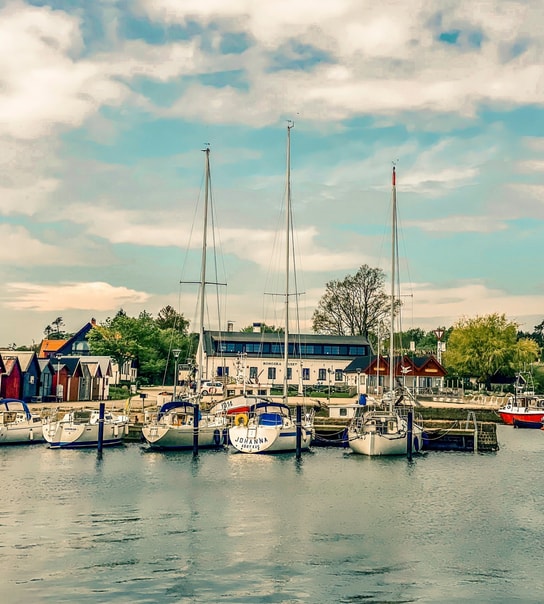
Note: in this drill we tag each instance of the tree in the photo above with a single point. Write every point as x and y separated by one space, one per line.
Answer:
141 339
169 318
354 306
264 328
482 346
53 330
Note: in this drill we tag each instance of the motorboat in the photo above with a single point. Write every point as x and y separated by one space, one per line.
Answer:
79 428
525 408
17 424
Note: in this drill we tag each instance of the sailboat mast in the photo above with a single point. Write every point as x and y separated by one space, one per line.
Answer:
393 279
203 267
290 125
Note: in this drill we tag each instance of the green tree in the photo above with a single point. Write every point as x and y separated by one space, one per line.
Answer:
169 318
263 329
53 330
354 306
142 340
482 346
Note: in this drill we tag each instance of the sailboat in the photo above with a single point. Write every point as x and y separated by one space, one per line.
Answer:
178 422
386 430
80 428
269 426
17 424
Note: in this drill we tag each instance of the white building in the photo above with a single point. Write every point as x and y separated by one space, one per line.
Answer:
258 358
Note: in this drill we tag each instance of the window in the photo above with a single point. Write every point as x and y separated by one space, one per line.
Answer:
357 351
289 373
254 348
272 373
253 373
322 375
305 373
338 375
343 412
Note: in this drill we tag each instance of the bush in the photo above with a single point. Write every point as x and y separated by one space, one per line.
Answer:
118 392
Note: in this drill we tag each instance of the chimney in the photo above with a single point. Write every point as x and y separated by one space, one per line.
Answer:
230 326
256 328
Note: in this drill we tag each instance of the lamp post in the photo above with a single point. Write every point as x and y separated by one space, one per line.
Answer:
176 353
329 371
358 383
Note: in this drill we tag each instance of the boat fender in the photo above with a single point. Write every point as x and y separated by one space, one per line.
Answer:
416 444
217 437
241 419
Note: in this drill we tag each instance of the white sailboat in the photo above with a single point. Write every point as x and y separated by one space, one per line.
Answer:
269 426
175 424
17 424
79 429
386 431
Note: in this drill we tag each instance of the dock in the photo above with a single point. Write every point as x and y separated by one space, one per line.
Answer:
438 435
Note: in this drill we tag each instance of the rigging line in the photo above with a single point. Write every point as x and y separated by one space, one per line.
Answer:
184 264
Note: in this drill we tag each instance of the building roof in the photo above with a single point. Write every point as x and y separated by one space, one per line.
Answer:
25 356
49 347
305 338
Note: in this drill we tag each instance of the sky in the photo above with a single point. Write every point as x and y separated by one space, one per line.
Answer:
105 107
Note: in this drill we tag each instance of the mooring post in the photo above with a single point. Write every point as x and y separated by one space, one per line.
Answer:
196 408
299 430
101 412
410 420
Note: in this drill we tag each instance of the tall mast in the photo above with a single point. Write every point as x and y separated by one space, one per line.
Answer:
203 266
290 125
393 279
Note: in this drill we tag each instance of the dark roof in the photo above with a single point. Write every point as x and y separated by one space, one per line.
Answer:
305 338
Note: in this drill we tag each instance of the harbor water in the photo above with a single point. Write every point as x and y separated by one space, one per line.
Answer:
138 526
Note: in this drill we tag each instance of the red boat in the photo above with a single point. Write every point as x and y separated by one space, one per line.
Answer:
528 408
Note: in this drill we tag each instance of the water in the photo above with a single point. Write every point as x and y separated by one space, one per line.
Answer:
137 526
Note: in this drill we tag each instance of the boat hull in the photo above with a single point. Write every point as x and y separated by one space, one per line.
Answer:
268 439
511 415
19 434
159 436
60 435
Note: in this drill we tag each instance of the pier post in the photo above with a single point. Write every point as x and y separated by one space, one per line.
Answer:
196 408
410 420
101 412
299 430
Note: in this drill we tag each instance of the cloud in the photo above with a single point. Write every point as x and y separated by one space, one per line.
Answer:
433 306
460 224
20 248
95 296
44 81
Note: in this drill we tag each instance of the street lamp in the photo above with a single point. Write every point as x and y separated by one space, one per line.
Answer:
358 383
176 353
329 371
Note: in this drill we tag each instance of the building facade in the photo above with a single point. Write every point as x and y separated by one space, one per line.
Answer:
258 358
